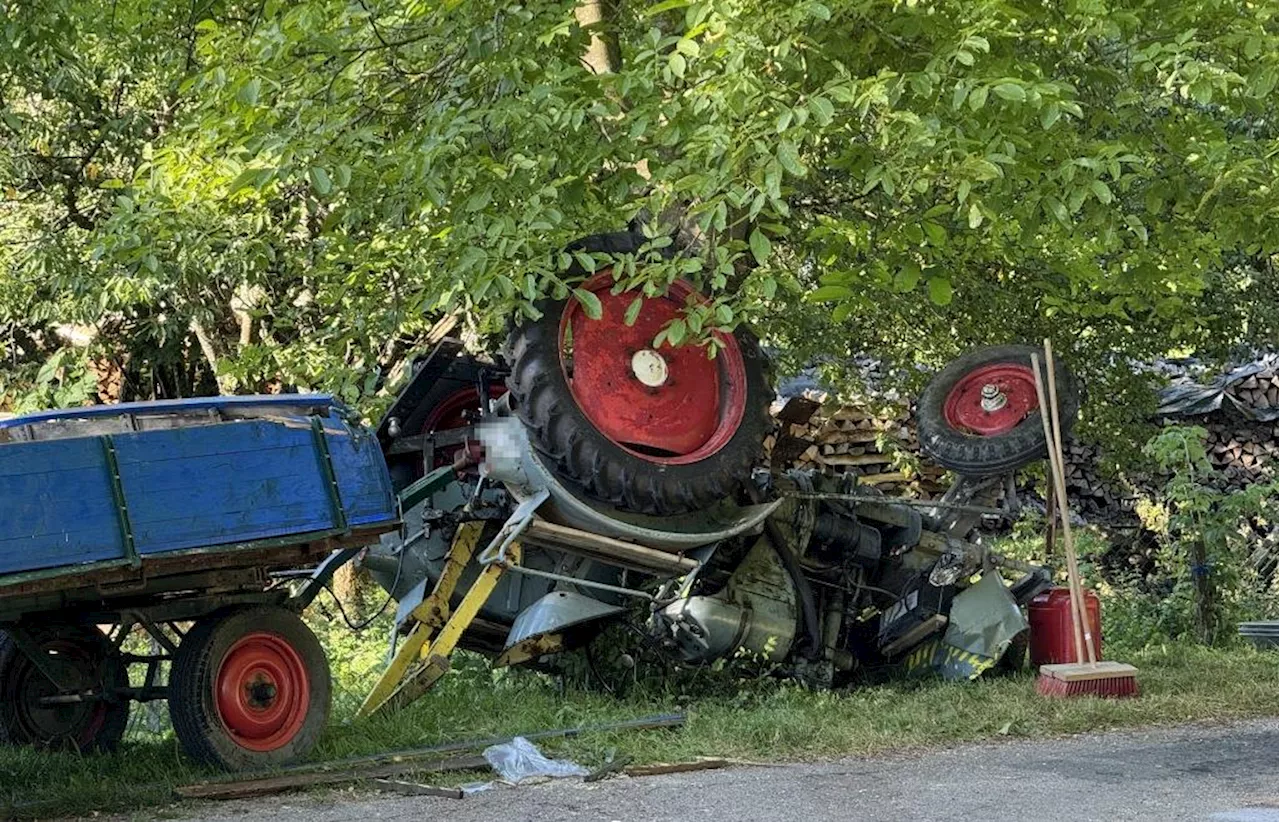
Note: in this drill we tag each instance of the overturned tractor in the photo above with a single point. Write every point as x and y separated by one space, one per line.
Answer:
589 478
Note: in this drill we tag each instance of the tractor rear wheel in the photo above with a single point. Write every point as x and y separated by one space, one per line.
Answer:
661 430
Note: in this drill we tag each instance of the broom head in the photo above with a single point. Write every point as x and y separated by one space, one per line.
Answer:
1106 679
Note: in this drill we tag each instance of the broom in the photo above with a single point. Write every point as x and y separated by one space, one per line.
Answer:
1095 677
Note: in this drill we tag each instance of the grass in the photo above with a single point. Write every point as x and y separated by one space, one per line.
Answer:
758 720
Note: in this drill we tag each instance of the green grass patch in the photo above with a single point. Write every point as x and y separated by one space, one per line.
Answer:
757 720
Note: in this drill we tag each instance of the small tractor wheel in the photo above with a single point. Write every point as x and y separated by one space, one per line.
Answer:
249 689
89 665
979 416
661 430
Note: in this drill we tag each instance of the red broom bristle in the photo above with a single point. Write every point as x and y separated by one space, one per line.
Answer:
1118 687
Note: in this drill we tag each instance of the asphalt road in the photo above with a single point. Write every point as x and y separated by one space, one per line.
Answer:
1221 773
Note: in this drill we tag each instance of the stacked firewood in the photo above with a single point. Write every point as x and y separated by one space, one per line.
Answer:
1242 451
877 445
1259 391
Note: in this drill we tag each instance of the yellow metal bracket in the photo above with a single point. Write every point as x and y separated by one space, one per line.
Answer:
422 659
431 614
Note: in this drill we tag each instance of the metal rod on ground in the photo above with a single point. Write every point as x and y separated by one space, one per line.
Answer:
389 764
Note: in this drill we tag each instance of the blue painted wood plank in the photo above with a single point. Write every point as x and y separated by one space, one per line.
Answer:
25 458
194 487
60 511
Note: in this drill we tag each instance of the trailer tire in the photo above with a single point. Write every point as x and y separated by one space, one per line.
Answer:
653 431
957 433
86 726
249 688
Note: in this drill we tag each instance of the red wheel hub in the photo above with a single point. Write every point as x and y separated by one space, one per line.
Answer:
452 412
671 405
991 400
262 692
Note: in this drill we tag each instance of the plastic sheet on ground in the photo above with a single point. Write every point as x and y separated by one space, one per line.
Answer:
520 760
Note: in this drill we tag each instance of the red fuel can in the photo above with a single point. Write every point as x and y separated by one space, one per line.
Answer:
1049 614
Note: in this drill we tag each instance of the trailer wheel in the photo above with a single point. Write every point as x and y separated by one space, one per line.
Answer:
660 431
249 689
90 664
979 416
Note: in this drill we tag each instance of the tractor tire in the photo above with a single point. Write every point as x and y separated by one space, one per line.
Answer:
249 689
92 725
959 432
655 432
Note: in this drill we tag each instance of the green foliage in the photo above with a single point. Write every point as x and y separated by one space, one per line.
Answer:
1207 536
308 182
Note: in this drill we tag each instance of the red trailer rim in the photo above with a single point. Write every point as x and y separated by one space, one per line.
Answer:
263 692
991 400
670 406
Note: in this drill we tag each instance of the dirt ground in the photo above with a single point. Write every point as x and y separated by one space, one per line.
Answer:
1225 773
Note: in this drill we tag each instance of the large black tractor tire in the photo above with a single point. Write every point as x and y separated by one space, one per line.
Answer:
995 444
249 689
90 663
595 464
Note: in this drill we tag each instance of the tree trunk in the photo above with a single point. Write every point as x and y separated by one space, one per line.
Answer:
1206 619
603 56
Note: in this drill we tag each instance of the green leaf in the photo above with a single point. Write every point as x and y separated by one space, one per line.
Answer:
1049 115
789 157
724 314
964 58
975 215
1102 191
937 234
1010 91
829 293
478 200
676 63
676 331
320 182
823 111
940 290
590 303
908 277
664 6
978 98
248 93
633 311
760 246
784 120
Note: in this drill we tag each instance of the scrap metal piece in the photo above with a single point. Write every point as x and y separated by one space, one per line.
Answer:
557 611
984 619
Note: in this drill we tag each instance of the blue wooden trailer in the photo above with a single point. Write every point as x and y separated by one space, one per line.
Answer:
208 523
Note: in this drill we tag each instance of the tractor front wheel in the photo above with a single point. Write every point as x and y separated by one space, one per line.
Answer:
979 415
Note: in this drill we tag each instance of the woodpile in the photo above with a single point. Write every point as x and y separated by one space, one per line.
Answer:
1258 391
1242 451
877 446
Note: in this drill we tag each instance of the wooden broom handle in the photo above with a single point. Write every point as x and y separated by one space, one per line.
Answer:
1058 492
1073 564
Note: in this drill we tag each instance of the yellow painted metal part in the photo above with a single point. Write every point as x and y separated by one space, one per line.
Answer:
432 614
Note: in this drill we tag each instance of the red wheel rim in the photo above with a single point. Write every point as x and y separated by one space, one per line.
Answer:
451 413
991 400
262 692
671 406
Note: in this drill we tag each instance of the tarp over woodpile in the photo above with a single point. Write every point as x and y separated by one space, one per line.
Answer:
1251 389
